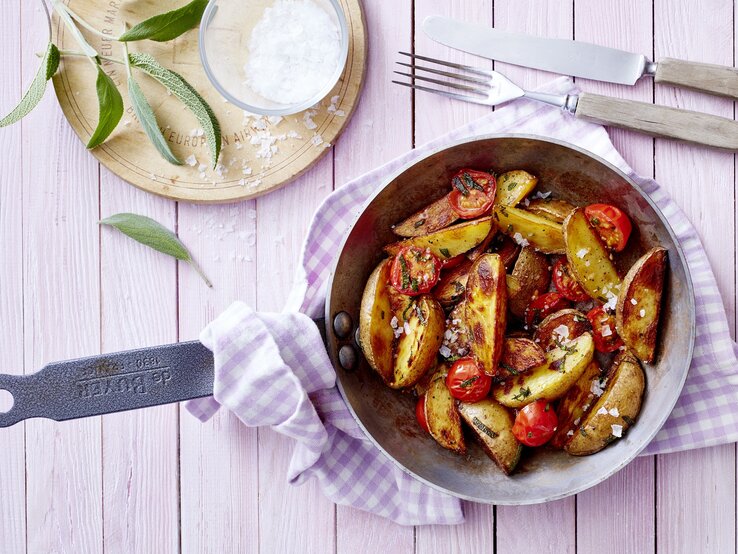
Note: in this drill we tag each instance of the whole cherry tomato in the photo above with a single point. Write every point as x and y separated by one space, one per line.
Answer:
606 338
566 284
420 413
473 193
414 271
535 423
611 223
543 306
467 382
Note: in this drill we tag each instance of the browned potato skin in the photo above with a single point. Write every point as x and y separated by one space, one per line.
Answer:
444 422
576 321
485 314
422 343
551 208
375 334
520 355
454 240
575 404
492 424
533 274
450 288
601 272
432 218
624 391
644 283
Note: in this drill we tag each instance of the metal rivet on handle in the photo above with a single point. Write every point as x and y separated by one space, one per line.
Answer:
347 357
342 325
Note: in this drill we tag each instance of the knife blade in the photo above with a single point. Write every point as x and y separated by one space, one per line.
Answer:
567 57
580 59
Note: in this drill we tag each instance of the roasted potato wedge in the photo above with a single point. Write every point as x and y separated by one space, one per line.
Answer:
532 272
416 349
639 304
550 331
444 422
614 411
563 367
513 186
550 208
492 427
448 242
450 288
528 228
376 336
520 355
507 248
589 258
576 403
430 219
485 313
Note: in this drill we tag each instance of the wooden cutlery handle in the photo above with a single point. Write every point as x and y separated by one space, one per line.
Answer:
659 121
704 77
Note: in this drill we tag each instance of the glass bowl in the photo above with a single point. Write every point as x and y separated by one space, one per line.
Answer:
225 33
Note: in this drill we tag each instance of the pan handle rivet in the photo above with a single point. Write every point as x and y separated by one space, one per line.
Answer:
342 325
347 357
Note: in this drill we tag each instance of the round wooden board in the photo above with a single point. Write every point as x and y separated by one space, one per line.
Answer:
243 172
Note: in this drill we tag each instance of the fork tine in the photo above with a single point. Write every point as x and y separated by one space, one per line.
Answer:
453 95
484 82
449 84
468 68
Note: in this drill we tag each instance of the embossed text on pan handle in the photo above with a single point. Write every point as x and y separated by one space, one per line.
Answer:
111 383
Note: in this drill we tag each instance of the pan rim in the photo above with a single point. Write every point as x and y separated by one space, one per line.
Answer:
632 454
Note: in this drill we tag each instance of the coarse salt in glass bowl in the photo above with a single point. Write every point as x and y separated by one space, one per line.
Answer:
274 57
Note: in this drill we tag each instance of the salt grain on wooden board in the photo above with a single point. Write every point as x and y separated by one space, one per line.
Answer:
294 52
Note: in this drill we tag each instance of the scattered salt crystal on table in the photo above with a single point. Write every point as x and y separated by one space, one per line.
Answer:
294 51
191 160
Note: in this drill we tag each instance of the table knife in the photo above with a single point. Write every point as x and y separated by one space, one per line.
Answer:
580 59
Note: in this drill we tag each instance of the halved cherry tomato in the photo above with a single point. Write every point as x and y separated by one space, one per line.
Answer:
420 413
448 263
611 223
473 193
414 271
606 338
566 284
536 423
467 382
543 306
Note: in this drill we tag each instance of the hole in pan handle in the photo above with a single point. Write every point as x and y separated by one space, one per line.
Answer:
111 383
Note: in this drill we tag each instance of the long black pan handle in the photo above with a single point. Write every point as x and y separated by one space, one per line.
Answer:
111 383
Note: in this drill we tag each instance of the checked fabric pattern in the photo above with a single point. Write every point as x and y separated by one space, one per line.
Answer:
272 369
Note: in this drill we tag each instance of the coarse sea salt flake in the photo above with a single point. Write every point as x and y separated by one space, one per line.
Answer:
606 331
602 411
522 241
614 412
633 301
445 351
642 313
617 430
582 252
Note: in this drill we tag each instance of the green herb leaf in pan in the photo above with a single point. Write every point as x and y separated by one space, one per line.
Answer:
167 26
154 235
49 65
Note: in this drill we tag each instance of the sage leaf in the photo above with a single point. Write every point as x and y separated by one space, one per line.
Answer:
49 65
177 85
167 25
154 235
148 121
63 12
110 107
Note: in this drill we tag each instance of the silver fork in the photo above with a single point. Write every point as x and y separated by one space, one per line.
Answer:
491 88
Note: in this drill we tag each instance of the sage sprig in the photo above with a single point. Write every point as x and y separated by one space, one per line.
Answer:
110 107
146 116
49 65
153 234
160 28
180 88
167 26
